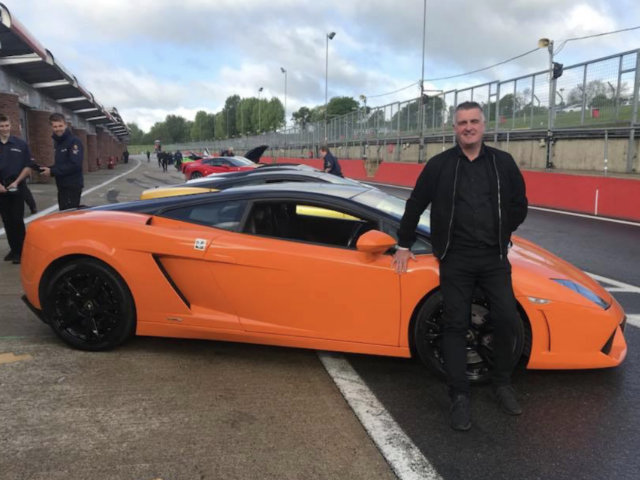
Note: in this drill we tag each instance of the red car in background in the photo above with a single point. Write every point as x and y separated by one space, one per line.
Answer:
206 166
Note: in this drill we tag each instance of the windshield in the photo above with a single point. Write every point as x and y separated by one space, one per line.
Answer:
241 162
391 205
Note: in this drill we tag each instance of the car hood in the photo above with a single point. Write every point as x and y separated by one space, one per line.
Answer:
255 153
534 268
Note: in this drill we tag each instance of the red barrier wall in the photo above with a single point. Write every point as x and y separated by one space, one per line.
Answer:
616 197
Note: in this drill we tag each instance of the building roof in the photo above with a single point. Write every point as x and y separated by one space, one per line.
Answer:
23 57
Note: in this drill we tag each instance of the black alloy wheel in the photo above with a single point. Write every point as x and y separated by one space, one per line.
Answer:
196 175
89 306
428 338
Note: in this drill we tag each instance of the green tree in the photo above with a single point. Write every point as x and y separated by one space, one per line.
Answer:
341 105
137 135
302 117
177 129
203 126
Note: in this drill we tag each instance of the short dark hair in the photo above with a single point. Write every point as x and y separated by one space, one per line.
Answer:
324 148
468 106
4 118
57 117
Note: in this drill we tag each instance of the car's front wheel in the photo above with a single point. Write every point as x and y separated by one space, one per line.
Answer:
88 305
196 175
427 337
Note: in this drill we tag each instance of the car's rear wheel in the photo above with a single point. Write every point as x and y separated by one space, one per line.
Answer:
196 175
428 338
88 305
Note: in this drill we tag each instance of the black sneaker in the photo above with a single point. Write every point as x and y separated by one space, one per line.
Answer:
506 397
460 414
16 260
9 256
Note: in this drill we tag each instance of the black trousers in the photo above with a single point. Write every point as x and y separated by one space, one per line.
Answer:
12 211
69 197
28 197
460 273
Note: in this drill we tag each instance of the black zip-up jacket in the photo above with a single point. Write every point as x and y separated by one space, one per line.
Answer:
67 167
437 186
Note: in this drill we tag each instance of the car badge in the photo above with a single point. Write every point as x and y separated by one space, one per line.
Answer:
200 244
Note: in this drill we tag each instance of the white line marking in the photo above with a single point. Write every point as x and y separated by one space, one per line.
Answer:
619 286
634 320
543 209
53 208
406 461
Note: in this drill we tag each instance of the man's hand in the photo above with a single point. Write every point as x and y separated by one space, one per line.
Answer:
2 189
46 171
401 259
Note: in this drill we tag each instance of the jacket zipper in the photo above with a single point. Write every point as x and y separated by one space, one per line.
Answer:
499 207
453 207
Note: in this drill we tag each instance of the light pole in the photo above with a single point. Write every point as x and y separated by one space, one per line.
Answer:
420 103
285 97
545 42
259 126
329 36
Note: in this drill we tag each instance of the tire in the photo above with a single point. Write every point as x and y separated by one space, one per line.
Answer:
89 306
427 339
196 175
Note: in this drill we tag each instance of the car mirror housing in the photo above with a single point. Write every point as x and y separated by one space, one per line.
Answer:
375 242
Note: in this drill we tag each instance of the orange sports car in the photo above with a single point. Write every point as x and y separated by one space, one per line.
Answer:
185 266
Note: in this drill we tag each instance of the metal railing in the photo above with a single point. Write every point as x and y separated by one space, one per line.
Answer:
598 94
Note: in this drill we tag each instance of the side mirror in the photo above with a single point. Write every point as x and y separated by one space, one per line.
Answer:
375 242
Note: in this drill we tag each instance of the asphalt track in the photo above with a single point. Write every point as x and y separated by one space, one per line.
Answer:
165 408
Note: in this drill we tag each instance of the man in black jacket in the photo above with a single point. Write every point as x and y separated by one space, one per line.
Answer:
15 166
478 199
67 166
331 164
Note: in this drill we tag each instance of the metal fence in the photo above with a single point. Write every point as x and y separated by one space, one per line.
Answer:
601 93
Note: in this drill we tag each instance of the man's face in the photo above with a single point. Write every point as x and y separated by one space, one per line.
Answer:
322 153
469 127
5 129
58 127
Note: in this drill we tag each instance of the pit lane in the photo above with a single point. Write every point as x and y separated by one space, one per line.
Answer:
274 413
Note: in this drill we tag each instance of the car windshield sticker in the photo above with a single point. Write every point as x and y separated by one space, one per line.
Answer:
200 244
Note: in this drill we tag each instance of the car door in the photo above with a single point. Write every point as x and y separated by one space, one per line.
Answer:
285 281
187 259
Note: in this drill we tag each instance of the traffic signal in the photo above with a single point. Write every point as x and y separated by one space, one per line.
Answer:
557 69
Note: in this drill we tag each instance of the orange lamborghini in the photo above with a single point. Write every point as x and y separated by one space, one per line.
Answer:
187 266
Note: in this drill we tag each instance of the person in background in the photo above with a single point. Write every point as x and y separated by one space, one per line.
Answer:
478 199
15 167
148 156
178 159
331 164
67 165
125 156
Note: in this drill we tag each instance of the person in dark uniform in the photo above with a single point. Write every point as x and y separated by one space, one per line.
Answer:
164 159
178 159
148 156
125 156
478 199
67 166
15 166
331 164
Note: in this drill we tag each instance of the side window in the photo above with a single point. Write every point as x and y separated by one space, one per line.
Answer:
307 223
224 215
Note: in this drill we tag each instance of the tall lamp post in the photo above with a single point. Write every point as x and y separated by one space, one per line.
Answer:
285 96
259 125
329 36
421 105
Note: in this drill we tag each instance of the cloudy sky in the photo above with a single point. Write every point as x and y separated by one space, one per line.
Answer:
150 58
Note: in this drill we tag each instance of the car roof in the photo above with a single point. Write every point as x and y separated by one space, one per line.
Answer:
151 206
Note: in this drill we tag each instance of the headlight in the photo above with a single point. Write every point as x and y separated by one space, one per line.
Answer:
584 291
